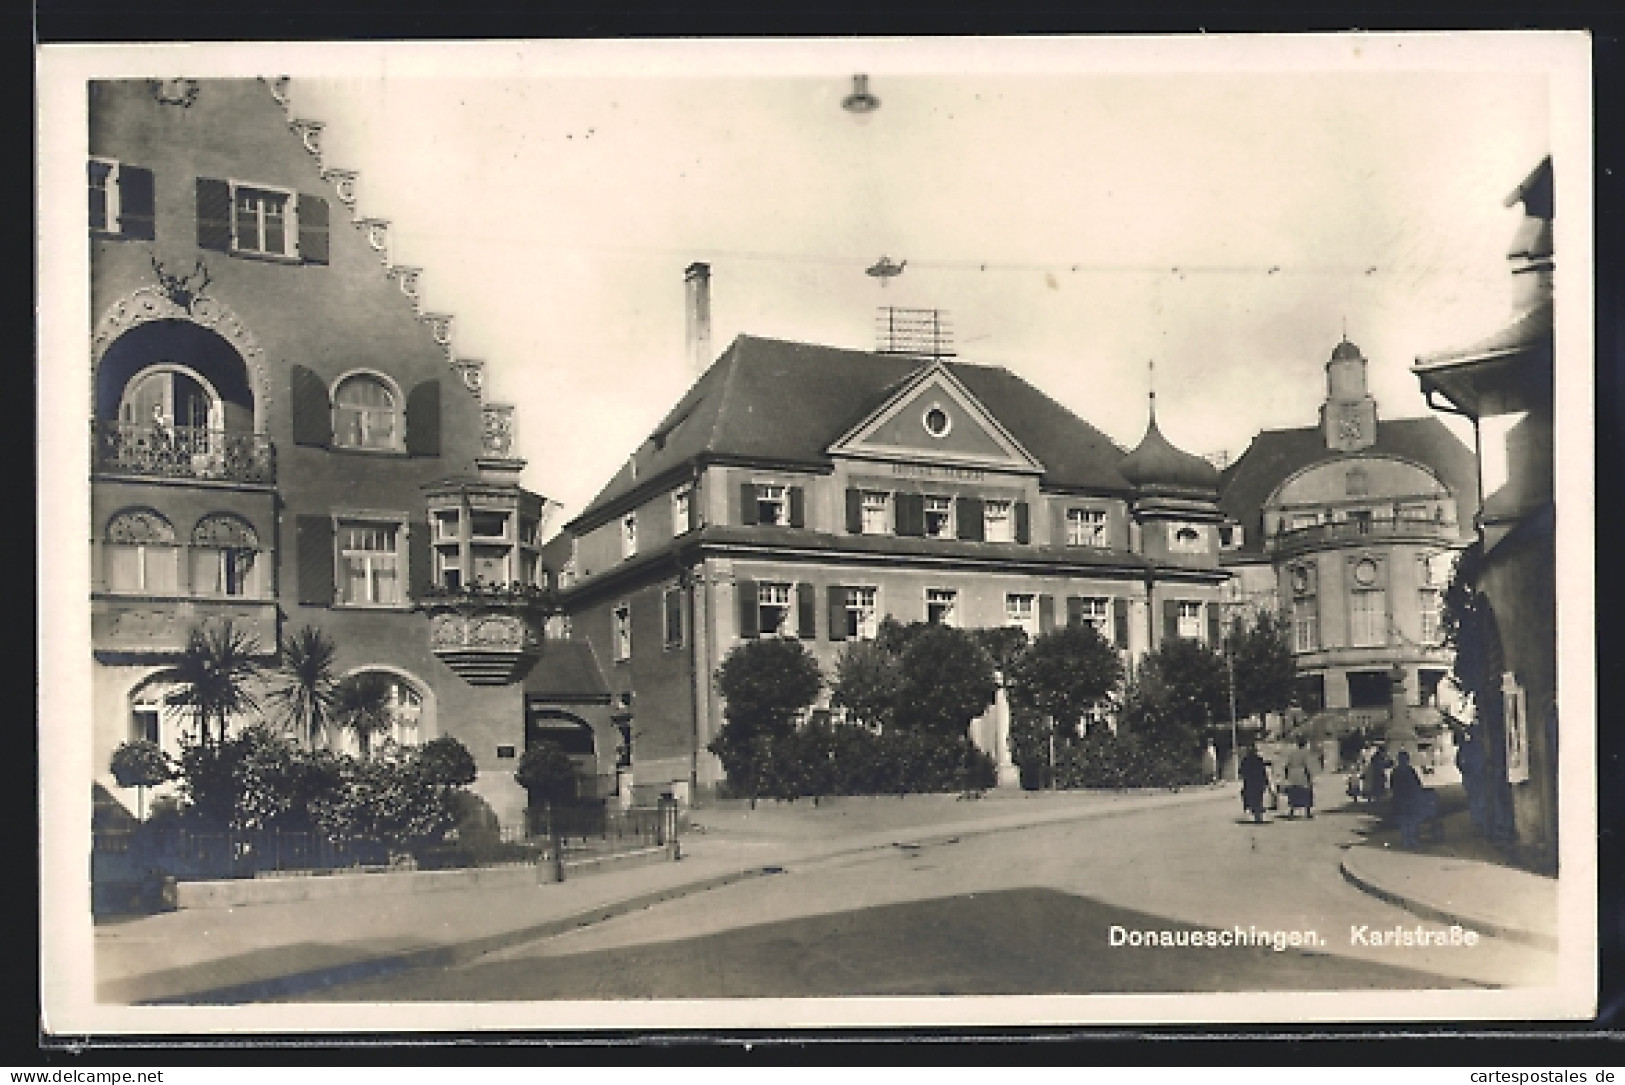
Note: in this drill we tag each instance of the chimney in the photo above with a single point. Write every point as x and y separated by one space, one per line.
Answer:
697 289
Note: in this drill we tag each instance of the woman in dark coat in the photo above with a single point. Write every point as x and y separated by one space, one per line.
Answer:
1255 780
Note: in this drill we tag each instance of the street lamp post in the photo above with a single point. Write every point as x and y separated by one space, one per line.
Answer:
1230 673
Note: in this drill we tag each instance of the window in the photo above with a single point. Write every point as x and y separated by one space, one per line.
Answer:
225 558
1301 520
370 563
1427 603
1368 618
941 606
1230 536
1190 620
773 610
1187 539
1085 527
672 603
997 525
682 511
144 724
140 554
876 512
939 517
1021 610
1095 612
1305 625
166 398
366 414
448 567
862 614
446 525
488 524
402 715
261 221
936 421
772 505
491 564
104 195
629 534
621 632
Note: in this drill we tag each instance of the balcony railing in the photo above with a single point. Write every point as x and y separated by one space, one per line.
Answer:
1360 530
142 448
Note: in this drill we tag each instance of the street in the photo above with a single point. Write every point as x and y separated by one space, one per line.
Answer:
1028 911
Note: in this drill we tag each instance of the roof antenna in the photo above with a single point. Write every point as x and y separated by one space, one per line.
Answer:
1151 385
1345 328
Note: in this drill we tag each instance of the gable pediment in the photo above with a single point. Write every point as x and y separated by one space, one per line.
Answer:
933 418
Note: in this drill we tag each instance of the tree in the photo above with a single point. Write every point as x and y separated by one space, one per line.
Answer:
141 764
947 681
1064 674
213 675
445 762
363 706
1181 687
867 681
764 684
306 684
547 774
1261 655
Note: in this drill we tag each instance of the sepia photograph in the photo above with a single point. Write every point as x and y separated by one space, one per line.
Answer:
564 535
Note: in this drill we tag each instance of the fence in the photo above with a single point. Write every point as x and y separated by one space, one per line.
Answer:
594 828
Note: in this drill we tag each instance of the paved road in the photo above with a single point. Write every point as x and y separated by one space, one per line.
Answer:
1019 912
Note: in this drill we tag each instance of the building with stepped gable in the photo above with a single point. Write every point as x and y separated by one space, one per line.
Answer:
283 436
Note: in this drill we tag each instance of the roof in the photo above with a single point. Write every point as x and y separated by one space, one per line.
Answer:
784 402
1155 462
1274 455
566 670
1345 350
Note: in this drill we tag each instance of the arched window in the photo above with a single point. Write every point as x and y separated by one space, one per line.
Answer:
225 557
366 413
139 554
403 710
170 397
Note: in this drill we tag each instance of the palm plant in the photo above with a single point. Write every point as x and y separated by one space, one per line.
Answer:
362 703
214 675
306 684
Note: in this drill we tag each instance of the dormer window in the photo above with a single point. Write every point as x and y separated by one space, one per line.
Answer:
939 517
997 525
1085 527
772 505
1187 539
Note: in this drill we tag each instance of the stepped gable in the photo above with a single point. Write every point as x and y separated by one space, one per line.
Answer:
1155 464
408 279
1275 455
772 400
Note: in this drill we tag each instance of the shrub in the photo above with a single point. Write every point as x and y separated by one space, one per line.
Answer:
446 762
141 764
547 774
947 681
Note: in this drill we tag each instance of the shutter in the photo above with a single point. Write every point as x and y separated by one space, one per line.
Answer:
693 507
968 512
1074 610
1120 621
837 609
213 214
1046 614
1214 636
312 411
749 616
747 502
806 612
1170 620
911 515
423 419
315 558
854 511
136 215
1023 523
312 212
419 559
798 507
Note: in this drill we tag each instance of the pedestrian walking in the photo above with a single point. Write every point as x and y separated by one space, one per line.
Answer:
1412 801
1255 779
1376 775
1300 781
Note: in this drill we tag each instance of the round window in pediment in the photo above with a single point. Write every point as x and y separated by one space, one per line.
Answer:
937 422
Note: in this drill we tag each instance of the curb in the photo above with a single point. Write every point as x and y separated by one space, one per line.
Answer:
446 956
1422 908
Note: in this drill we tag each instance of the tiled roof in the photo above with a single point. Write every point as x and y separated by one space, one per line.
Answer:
773 400
566 670
1155 462
1275 454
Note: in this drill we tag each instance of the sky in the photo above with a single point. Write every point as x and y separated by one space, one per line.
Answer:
1076 216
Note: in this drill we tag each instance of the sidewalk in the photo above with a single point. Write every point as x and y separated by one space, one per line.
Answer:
1460 881
268 951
